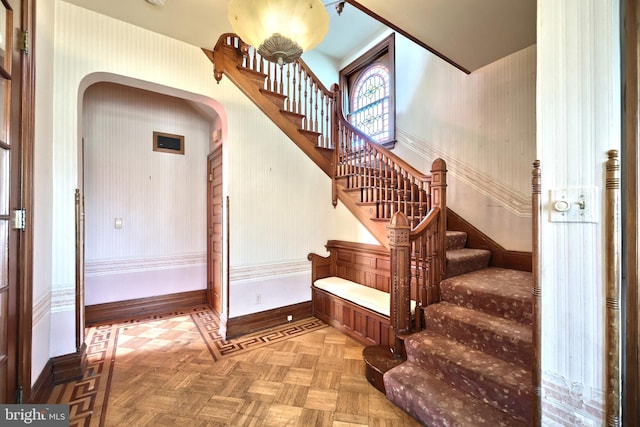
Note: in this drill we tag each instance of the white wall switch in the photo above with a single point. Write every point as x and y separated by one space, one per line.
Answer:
573 205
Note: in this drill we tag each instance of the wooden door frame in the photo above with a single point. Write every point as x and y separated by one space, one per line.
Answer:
25 251
630 156
223 289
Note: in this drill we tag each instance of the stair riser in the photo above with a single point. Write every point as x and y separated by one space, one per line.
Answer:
518 351
435 404
462 266
483 385
456 240
512 309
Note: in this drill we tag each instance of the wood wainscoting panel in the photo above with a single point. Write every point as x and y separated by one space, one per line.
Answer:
143 307
363 325
241 325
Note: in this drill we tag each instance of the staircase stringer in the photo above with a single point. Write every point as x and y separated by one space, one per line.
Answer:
226 62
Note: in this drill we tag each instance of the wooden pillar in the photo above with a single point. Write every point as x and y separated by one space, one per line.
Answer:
536 374
439 199
336 144
613 250
400 247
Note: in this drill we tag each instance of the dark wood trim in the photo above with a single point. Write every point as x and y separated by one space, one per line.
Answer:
27 126
69 367
246 324
143 307
406 34
630 156
500 257
43 387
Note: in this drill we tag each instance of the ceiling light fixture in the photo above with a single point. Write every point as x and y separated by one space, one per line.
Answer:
279 29
156 2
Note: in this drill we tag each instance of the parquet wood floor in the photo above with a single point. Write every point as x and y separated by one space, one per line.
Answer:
176 370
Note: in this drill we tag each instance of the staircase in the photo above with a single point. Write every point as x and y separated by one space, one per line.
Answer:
471 365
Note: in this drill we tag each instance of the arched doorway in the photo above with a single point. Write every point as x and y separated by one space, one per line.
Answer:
156 244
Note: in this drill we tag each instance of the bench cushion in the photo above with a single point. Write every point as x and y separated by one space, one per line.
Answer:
364 296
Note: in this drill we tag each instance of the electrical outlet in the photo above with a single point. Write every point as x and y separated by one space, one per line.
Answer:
258 298
289 318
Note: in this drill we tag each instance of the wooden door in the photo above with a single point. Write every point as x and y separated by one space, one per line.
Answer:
15 125
214 229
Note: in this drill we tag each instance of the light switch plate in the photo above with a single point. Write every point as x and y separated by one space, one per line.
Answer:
573 205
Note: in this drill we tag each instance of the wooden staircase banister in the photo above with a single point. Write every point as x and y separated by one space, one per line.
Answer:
426 222
373 182
382 149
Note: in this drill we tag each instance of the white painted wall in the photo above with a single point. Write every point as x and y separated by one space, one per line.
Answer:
43 192
160 198
483 125
579 119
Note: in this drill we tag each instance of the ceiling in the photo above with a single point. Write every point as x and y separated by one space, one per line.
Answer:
468 33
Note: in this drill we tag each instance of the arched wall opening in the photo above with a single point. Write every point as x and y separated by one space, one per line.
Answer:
145 229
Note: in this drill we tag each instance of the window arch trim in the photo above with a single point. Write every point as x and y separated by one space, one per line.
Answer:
368 59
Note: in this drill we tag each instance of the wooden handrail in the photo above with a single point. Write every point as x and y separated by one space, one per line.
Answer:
302 95
426 222
401 162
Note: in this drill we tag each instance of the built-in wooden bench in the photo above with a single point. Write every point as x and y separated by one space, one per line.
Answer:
350 290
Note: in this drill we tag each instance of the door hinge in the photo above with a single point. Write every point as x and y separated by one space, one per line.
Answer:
24 41
19 395
19 219
210 177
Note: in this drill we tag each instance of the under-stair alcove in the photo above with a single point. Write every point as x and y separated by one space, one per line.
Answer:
145 229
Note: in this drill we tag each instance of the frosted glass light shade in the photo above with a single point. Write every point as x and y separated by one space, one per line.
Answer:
280 29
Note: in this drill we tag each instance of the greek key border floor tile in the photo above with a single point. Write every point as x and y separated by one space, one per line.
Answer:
89 396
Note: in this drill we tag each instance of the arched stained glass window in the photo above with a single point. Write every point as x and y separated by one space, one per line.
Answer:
369 109
368 85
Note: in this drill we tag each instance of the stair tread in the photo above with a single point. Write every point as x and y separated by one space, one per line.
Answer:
435 402
504 384
505 327
503 338
510 284
426 344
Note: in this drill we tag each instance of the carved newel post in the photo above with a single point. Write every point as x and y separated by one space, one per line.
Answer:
400 246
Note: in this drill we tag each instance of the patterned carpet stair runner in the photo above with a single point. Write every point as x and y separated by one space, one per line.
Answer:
471 366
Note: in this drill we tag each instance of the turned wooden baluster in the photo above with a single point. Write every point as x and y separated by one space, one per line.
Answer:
536 379
613 266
